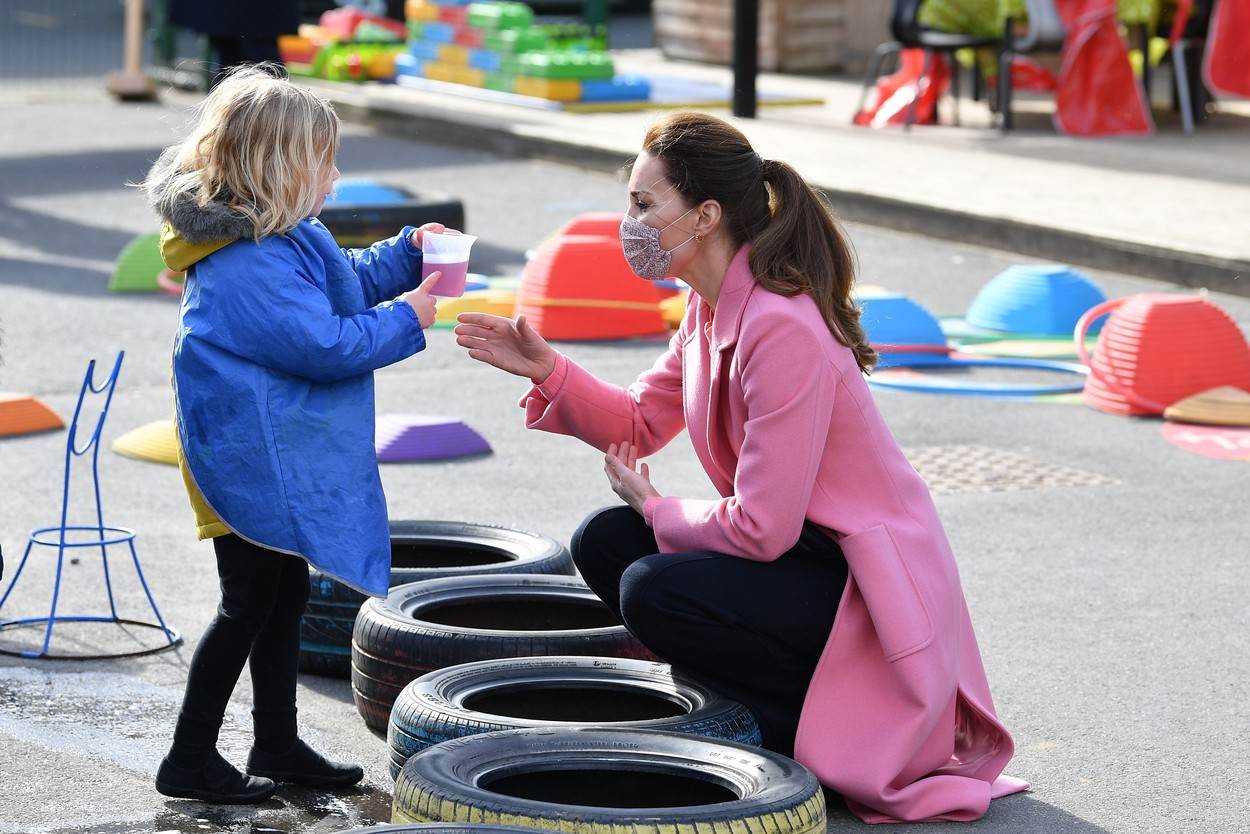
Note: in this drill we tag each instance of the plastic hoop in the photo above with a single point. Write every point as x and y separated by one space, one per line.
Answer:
928 384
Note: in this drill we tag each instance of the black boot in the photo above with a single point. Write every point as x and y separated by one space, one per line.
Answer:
303 766
215 781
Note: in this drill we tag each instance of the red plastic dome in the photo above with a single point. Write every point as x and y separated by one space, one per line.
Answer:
581 288
595 224
1157 349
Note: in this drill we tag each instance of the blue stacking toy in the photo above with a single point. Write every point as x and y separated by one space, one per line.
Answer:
439 32
423 50
407 64
1035 299
893 320
486 60
621 88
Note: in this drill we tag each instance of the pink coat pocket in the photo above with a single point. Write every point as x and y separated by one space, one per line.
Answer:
898 612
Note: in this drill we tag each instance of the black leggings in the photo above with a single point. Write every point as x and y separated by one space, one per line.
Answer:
752 631
263 594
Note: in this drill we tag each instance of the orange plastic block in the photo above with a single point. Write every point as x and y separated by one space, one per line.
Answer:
550 89
23 414
452 54
421 11
581 288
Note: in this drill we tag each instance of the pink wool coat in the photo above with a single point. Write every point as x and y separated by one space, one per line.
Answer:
898 716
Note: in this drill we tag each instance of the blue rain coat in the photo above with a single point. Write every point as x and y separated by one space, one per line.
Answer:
273 385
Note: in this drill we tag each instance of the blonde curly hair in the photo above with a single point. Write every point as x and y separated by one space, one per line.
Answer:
261 146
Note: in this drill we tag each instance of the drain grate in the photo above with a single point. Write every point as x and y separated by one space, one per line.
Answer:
957 470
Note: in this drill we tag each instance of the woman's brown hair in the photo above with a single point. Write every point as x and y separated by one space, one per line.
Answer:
797 245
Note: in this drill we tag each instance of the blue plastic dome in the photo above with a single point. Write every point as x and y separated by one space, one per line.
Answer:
1035 299
365 192
895 319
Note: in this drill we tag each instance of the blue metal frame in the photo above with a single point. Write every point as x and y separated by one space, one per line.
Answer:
100 536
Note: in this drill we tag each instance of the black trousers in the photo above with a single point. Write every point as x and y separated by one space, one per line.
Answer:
752 631
263 594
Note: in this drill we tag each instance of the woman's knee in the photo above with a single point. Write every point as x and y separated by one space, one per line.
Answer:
595 533
653 593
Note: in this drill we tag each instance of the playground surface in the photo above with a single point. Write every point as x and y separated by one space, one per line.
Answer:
1110 607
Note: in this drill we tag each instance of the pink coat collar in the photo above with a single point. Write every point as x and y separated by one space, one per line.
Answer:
732 302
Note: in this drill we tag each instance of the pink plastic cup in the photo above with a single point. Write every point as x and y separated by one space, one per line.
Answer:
448 254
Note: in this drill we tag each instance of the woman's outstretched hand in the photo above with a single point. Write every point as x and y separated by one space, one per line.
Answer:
512 346
634 487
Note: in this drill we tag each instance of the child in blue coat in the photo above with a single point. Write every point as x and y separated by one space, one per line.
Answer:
279 335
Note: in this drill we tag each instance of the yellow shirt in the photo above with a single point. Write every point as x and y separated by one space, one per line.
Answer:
180 255
207 524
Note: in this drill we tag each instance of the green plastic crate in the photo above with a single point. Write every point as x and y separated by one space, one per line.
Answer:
501 16
580 66
516 40
501 82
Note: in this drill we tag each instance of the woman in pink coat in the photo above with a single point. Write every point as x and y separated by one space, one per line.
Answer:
819 590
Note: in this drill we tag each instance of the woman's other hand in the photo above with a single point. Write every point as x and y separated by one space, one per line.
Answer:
511 346
634 487
421 302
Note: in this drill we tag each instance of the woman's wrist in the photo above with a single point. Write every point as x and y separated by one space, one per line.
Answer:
545 371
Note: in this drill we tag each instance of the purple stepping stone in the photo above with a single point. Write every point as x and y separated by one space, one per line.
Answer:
410 437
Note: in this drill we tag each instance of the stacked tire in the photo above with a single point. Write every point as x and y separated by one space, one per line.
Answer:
539 692
585 780
420 550
430 625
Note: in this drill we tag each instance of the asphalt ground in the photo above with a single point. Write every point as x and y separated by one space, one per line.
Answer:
1111 612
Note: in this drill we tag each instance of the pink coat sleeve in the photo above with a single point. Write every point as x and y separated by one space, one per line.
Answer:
574 401
788 417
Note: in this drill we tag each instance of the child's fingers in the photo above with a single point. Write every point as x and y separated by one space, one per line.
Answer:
646 473
429 282
612 451
481 355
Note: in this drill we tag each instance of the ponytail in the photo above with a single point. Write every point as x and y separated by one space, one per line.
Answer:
803 249
797 245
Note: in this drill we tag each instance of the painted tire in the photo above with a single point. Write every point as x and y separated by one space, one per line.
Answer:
440 828
420 550
438 623
586 780
522 692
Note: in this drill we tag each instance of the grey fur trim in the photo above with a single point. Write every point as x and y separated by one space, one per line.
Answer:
193 223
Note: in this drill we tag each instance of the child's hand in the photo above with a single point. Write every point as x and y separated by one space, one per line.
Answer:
421 302
418 235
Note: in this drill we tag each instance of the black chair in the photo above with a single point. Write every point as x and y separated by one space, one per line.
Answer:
1189 95
1045 33
909 34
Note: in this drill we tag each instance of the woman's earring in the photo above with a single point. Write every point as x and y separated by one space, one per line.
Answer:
698 238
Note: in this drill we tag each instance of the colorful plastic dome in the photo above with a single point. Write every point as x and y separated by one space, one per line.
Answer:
901 329
1034 299
1157 349
579 287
